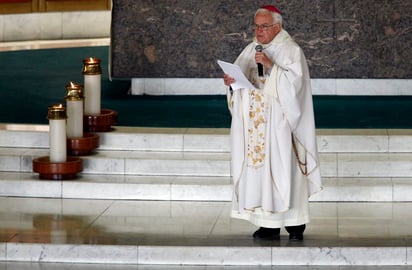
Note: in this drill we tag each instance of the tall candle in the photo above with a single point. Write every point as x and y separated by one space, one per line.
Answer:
57 133
92 86
74 104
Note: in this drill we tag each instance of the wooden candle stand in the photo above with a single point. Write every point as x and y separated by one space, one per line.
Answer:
57 170
100 123
82 146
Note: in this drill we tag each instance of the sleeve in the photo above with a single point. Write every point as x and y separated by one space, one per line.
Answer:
290 85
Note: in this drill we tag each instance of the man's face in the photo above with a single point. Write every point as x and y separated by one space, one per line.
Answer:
265 29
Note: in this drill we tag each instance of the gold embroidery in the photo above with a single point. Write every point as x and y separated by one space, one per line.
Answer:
257 127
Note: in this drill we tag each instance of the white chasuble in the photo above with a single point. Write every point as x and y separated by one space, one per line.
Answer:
275 163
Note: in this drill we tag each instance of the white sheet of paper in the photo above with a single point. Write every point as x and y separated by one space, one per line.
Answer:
234 71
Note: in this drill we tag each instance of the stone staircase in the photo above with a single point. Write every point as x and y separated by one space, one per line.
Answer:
192 166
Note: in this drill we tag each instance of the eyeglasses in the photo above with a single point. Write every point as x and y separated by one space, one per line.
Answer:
263 27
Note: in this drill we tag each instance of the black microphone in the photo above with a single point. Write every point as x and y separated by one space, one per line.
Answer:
259 48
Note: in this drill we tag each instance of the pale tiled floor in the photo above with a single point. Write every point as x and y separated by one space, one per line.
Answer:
127 222
190 223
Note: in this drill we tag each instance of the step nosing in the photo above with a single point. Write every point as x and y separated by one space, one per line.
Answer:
210 254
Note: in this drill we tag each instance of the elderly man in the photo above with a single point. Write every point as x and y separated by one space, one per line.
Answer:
275 162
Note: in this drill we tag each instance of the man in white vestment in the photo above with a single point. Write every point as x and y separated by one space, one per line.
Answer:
275 161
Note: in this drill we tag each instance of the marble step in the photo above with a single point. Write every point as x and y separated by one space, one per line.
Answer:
207 254
194 164
129 162
210 140
127 138
378 164
190 188
96 266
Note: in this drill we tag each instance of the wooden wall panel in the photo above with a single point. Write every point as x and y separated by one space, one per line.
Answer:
18 6
29 6
73 5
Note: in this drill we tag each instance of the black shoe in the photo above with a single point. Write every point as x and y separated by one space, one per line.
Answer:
267 233
296 232
296 237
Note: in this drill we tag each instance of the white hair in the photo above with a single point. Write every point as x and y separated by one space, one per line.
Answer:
277 18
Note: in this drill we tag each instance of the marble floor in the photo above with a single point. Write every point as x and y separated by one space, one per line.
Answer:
131 222
190 225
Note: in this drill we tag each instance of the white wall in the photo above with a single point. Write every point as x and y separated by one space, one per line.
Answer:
55 26
340 87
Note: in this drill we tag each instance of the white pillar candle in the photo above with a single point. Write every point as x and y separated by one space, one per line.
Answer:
74 118
57 133
74 104
92 94
92 86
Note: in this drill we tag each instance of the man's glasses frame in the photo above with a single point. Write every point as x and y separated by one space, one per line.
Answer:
263 27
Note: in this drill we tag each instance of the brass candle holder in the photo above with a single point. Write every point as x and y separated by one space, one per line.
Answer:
91 66
78 143
64 169
95 118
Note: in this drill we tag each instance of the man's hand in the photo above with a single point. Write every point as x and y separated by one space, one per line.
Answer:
261 58
228 80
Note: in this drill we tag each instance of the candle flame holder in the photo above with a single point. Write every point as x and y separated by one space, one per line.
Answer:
74 91
91 66
57 170
56 112
83 146
100 123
